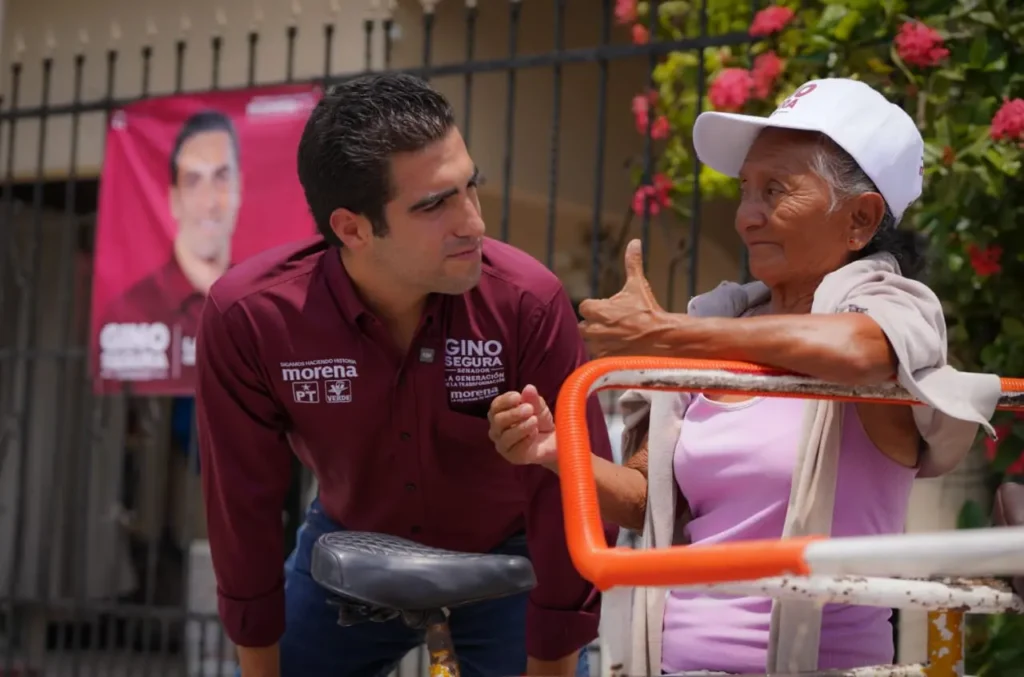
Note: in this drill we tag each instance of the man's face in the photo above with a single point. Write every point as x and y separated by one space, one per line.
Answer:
435 229
205 200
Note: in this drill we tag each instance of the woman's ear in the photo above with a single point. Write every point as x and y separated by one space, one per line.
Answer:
866 213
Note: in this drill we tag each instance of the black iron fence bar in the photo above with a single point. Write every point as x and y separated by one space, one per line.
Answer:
63 437
388 24
215 44
596 225
329 48
428 39
514 12
556 128
693 241
254 39
7 238
93 426
522 61
648 154
23 368
467 82
293 33
179 68
368 27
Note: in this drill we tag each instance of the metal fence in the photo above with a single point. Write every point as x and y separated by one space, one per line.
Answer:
89 589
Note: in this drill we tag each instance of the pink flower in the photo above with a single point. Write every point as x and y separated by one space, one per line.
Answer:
1008 122
641 106
660 128
653 197
920 45
985 260
625 11
770 20
767 69
640 35
730 90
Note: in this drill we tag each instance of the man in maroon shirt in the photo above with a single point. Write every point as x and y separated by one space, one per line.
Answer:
148 333
372 353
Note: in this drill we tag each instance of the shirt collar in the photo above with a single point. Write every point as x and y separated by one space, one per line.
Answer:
348 299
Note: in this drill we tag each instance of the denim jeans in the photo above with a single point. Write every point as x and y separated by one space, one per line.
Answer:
489 636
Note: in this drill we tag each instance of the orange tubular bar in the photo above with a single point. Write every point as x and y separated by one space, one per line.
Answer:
679 565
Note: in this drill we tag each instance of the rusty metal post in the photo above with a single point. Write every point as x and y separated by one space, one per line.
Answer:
945 644
443 662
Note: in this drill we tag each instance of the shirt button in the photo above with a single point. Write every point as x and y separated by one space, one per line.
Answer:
405 437
410 487
415 529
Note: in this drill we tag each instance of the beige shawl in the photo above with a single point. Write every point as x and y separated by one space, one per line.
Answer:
957 403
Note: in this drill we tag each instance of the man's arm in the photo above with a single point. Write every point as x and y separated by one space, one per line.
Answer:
564 610
246 468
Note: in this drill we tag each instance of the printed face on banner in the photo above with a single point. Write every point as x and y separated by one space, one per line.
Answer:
191 185
206 194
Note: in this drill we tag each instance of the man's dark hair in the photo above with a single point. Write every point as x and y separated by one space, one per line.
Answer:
199 123
346 147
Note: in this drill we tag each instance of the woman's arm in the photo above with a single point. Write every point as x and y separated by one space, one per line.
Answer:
847 348
621 489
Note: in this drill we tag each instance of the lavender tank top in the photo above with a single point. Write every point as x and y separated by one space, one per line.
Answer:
734 464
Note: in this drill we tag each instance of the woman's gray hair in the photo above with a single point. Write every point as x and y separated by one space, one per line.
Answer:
847 180
845 177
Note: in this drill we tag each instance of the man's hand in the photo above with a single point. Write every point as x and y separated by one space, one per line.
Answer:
628 321
259 661
522 428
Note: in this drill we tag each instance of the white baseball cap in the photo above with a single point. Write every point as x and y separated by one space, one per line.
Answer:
878 134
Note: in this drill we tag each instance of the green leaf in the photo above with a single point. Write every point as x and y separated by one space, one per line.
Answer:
997 65
985 19
979 50
1013 327
845 27
831 17
972 516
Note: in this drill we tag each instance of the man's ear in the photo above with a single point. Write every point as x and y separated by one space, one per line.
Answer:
866 213
354 230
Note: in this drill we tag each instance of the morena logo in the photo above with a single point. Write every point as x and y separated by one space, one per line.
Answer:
793 99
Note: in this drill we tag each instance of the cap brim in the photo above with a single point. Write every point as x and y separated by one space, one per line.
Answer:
722 140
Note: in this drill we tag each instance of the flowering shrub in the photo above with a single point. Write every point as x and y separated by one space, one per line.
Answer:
957 66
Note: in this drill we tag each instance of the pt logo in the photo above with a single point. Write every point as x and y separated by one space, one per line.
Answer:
339 391
306 392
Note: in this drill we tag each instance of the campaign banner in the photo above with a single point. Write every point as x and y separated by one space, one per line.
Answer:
191 185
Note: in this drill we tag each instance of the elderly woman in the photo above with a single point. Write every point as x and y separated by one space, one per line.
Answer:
824 182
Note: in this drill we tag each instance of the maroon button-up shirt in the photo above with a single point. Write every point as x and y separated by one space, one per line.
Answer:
290 360
147 335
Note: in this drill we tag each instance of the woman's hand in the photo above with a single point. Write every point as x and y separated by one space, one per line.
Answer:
523 428
627 323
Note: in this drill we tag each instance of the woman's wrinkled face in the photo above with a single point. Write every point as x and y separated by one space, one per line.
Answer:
784 216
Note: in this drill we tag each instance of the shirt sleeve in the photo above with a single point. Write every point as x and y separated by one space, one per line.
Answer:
246 467
564 609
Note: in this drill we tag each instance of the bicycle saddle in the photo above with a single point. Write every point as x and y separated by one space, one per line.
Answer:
393 573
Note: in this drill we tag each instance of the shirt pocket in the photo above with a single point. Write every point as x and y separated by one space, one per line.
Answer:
469 459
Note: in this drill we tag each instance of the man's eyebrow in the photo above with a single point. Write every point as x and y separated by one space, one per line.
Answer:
434 198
